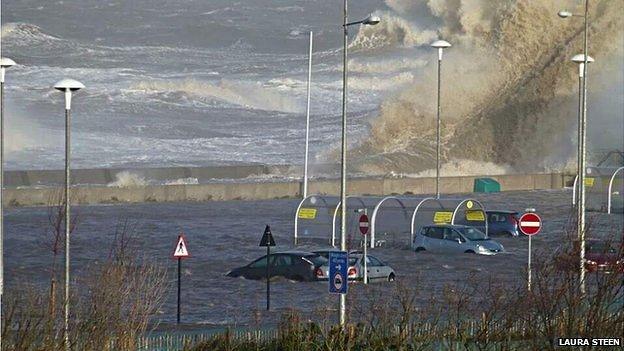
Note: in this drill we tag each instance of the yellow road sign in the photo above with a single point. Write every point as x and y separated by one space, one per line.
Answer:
589 181
442 217
307 213
475 215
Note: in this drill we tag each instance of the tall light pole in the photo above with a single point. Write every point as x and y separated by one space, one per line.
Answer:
68 86
582 146
440 45
307 135
370 20
4 64
580 60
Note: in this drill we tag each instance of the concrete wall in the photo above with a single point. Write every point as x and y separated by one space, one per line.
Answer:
272 190
104 176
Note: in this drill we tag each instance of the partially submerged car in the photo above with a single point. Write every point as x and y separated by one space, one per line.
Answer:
293 265
600 256
502 223
447 238
377 270
325 252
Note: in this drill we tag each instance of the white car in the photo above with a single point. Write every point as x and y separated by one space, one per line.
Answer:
377 269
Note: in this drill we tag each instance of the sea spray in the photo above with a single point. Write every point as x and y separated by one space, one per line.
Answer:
392 31
127 179
508 93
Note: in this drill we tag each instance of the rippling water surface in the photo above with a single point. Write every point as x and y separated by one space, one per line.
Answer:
224 235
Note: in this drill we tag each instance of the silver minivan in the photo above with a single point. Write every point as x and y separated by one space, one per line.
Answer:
455 239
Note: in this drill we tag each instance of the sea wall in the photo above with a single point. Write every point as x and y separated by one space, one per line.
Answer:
103 176
99 194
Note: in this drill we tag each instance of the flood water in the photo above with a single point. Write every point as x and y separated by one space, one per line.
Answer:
224 235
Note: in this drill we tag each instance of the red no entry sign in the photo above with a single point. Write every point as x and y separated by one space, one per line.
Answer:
364 224
530 223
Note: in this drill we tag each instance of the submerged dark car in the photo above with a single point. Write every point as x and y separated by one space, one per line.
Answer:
502 223
293 265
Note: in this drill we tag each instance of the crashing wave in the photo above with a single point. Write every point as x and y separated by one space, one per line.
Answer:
25 34
250 95
391 31
127 179
508 92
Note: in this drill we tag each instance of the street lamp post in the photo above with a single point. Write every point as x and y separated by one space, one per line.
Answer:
4 64
582 144
440 45
68 86
307 134
580 60
370 20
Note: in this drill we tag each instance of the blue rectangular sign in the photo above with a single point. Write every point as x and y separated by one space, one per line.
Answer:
338 268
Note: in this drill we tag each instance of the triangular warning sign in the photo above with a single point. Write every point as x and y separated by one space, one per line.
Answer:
180 250
267 238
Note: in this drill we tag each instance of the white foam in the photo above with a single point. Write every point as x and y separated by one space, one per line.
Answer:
24 30
183 181
385 66
251 95
465 168
127 179
289 9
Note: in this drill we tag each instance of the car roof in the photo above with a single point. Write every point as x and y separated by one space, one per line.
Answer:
447 226
326 250
359 255
351 252
295 253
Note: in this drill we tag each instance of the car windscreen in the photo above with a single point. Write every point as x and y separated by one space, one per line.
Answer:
473 234
316 259
352 261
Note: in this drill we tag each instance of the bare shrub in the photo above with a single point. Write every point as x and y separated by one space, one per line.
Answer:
111 305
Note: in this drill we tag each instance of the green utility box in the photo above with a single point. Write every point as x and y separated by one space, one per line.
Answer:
486 185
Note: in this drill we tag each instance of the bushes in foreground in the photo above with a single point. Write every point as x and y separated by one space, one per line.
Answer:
110 306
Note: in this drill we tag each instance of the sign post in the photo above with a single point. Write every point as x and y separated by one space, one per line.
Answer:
530 224
267 241
179 253
364 225
338 272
